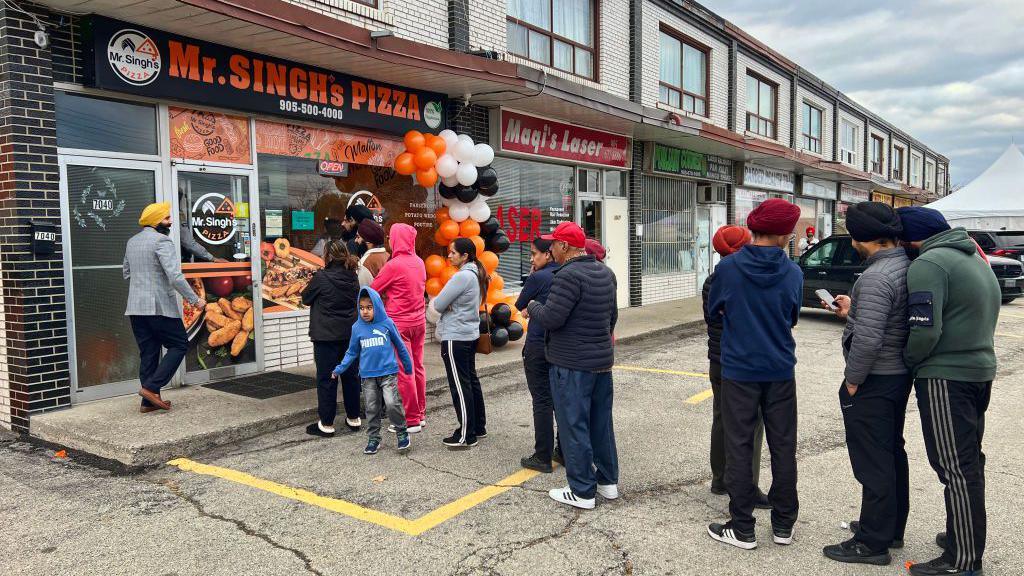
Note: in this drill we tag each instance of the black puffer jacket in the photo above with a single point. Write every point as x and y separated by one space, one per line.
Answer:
579 316
333 297
714 324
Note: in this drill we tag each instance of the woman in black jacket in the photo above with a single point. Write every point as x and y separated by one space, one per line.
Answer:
333 296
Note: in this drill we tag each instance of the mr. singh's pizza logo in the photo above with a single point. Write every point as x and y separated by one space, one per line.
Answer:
134 57
368 199
213 218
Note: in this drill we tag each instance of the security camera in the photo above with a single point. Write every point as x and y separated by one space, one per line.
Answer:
42 39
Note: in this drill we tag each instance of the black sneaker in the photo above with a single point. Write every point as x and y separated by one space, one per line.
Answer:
940 567
718 489
536 463
557 457
854 552
782 536
482 434
726 534
314 430
940 540
454 442
761 501
896 544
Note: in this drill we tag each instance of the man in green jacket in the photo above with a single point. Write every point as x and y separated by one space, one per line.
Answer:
953 306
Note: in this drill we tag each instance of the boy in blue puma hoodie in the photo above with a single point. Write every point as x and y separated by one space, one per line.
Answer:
375 340
757 294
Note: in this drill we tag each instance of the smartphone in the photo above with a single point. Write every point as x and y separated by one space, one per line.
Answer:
827 298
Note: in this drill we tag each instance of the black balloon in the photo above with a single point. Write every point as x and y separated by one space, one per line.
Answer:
485 324
489 226
489 190
499 337
515 331
447 191
466 194
486 177
501 315
499 242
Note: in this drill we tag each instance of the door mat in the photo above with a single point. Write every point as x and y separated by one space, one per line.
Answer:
264 385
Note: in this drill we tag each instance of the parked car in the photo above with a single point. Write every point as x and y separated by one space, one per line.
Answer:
835 265
1006 243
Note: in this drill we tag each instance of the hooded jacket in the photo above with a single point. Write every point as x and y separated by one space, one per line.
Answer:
953 306
459 305
333 297
536 287
402 280
375 343
758 292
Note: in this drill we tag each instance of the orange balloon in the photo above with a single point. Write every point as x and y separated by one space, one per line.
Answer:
497 282
495 297
449 230
424 158
436 143
442 214
427 178
414 140
434 286
447 273
489 260
405 164
469 228
479 243
434 265
439 238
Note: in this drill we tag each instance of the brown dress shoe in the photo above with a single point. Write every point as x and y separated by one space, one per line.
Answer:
154 399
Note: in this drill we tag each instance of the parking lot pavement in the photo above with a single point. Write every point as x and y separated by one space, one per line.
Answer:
288 504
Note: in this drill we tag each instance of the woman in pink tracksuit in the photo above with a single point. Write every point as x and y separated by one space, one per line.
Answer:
402 282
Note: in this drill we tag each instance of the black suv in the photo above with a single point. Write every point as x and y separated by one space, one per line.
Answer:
1006 243
835 265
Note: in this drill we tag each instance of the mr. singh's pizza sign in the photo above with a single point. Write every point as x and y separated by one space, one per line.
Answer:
129 58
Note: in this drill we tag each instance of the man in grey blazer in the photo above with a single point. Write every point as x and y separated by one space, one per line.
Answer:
152 267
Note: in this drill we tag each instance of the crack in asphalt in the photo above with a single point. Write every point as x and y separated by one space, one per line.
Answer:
481 483
239 524
489 563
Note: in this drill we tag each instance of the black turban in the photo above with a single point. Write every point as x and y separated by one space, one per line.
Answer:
869 221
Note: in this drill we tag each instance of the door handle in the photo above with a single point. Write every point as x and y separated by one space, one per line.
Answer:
822 273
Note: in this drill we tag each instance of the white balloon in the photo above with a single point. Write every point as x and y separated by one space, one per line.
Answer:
451 181
464 151
466 173
458 211
449 137
482 155
447 201
479 211
446 166
465 138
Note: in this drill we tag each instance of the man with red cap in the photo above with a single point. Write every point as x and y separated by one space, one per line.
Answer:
727 240
758 291
579 317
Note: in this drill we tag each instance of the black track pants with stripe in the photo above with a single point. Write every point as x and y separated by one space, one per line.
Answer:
953 422
467 397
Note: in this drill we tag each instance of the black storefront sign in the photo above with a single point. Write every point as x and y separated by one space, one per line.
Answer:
679 162
129 58
44 237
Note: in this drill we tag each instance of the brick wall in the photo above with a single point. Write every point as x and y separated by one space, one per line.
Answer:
487 25
827 119
718 100
286 342
665 287
33 286
784 106
423 21
5 383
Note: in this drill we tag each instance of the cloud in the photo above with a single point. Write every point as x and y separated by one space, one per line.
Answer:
948 72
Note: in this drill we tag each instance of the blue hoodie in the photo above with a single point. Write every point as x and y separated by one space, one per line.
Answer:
375 344
758 290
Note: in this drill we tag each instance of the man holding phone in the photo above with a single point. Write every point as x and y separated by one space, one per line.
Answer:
874 392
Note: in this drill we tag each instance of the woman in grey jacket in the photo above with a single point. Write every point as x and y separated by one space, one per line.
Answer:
458 329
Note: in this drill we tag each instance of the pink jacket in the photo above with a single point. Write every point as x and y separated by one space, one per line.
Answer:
402 280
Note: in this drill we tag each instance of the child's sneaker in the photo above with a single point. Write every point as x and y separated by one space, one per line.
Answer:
371 447
403 442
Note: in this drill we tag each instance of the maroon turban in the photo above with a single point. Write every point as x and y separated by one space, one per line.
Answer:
774 216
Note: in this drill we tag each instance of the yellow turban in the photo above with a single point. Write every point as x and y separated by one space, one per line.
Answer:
155 213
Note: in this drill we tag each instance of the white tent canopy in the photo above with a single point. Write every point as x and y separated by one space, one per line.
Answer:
992 201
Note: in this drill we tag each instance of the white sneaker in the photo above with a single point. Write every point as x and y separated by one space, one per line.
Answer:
608 491
353 422
414 429
565 496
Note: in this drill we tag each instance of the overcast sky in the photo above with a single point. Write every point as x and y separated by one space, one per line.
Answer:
948 72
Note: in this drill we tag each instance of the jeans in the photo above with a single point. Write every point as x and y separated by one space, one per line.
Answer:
874 419
376 391
583 409
151 334
327 356
718 460
467 397
413 387
538 380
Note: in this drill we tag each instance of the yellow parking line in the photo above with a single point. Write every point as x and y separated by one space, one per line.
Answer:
396 523
699 397
1005 335
660 371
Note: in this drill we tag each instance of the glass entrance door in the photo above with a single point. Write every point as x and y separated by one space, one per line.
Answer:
101 203
591 218
217 234
703 248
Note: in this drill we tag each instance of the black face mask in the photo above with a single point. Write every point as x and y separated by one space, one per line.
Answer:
912 252
165 230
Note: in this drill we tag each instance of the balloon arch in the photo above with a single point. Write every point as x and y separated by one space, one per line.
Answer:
462 172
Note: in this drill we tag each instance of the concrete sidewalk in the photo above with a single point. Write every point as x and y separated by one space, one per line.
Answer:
202 418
